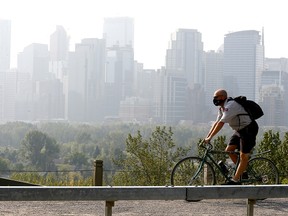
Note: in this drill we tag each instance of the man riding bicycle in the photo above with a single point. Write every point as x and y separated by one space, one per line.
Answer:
245 131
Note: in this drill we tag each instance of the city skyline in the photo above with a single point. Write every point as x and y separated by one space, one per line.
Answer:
74 86
34 21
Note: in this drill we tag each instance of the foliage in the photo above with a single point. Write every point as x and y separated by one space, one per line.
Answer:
278 151
78 159
4 164
282 160
52 179
78 144
270 141
12 133
39 150
220 145
148 161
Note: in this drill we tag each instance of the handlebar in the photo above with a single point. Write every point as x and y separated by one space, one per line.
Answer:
204 145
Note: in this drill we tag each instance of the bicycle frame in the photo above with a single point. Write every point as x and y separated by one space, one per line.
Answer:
208 158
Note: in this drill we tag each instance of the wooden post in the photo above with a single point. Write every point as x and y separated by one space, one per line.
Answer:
98 173
250 207
108 208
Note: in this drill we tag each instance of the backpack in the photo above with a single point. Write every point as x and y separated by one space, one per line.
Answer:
251 107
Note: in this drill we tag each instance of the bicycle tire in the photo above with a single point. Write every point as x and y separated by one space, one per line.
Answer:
185 172
262 171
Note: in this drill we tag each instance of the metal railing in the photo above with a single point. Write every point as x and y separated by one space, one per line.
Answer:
110 194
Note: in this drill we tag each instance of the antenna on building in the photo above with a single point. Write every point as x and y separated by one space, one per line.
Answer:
263 44
262 36
263 41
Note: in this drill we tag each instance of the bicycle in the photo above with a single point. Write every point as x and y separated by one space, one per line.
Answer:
200 170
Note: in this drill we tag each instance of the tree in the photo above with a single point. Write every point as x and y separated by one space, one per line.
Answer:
4 166
39 150
282 160
83 137
148 162
270 142
78 159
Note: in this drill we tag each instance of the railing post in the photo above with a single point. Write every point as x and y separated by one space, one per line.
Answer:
250 207
108 208
98 173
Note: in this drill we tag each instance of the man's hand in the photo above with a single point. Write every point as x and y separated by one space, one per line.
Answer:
207 140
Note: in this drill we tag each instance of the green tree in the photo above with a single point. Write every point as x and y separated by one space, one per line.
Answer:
270 142
39 150
220 145
282 160
77 159
148 161
83 137
4 166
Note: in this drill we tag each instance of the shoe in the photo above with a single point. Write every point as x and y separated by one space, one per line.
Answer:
244 175
231 182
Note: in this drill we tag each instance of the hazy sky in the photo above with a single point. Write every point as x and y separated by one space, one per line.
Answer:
154 21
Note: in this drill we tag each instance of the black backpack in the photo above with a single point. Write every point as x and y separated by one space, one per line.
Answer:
251 107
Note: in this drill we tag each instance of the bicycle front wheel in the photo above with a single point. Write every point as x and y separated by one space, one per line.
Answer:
192 171
262 171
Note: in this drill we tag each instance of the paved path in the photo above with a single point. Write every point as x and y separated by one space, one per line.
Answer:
269 207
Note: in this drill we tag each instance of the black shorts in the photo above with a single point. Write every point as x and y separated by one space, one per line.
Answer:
245 139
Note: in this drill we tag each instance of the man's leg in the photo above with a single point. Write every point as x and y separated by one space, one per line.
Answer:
232 148
247 143
244 158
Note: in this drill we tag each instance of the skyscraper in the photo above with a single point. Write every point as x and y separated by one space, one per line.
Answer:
5 45
213 73
59 47
86 80
274 92
119 31
34 60
185 55
243 63
185 77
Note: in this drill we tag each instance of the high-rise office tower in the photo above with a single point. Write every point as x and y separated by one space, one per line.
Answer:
174 98
119 31
59 47
5 45
184 59
213 73
274 92
86 80
243 63
34 60
185 55
274 105
119 77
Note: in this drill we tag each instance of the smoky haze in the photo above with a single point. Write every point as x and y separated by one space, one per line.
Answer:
133 65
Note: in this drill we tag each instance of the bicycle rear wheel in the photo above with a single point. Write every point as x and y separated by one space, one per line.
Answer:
262 171
192 171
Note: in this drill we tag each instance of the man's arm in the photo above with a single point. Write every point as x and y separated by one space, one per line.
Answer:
214 130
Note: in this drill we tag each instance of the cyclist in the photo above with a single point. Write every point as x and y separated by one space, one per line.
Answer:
245 131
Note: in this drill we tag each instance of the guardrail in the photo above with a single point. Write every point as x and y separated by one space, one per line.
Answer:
112 194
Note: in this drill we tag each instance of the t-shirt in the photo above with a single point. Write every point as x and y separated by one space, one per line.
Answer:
231 114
